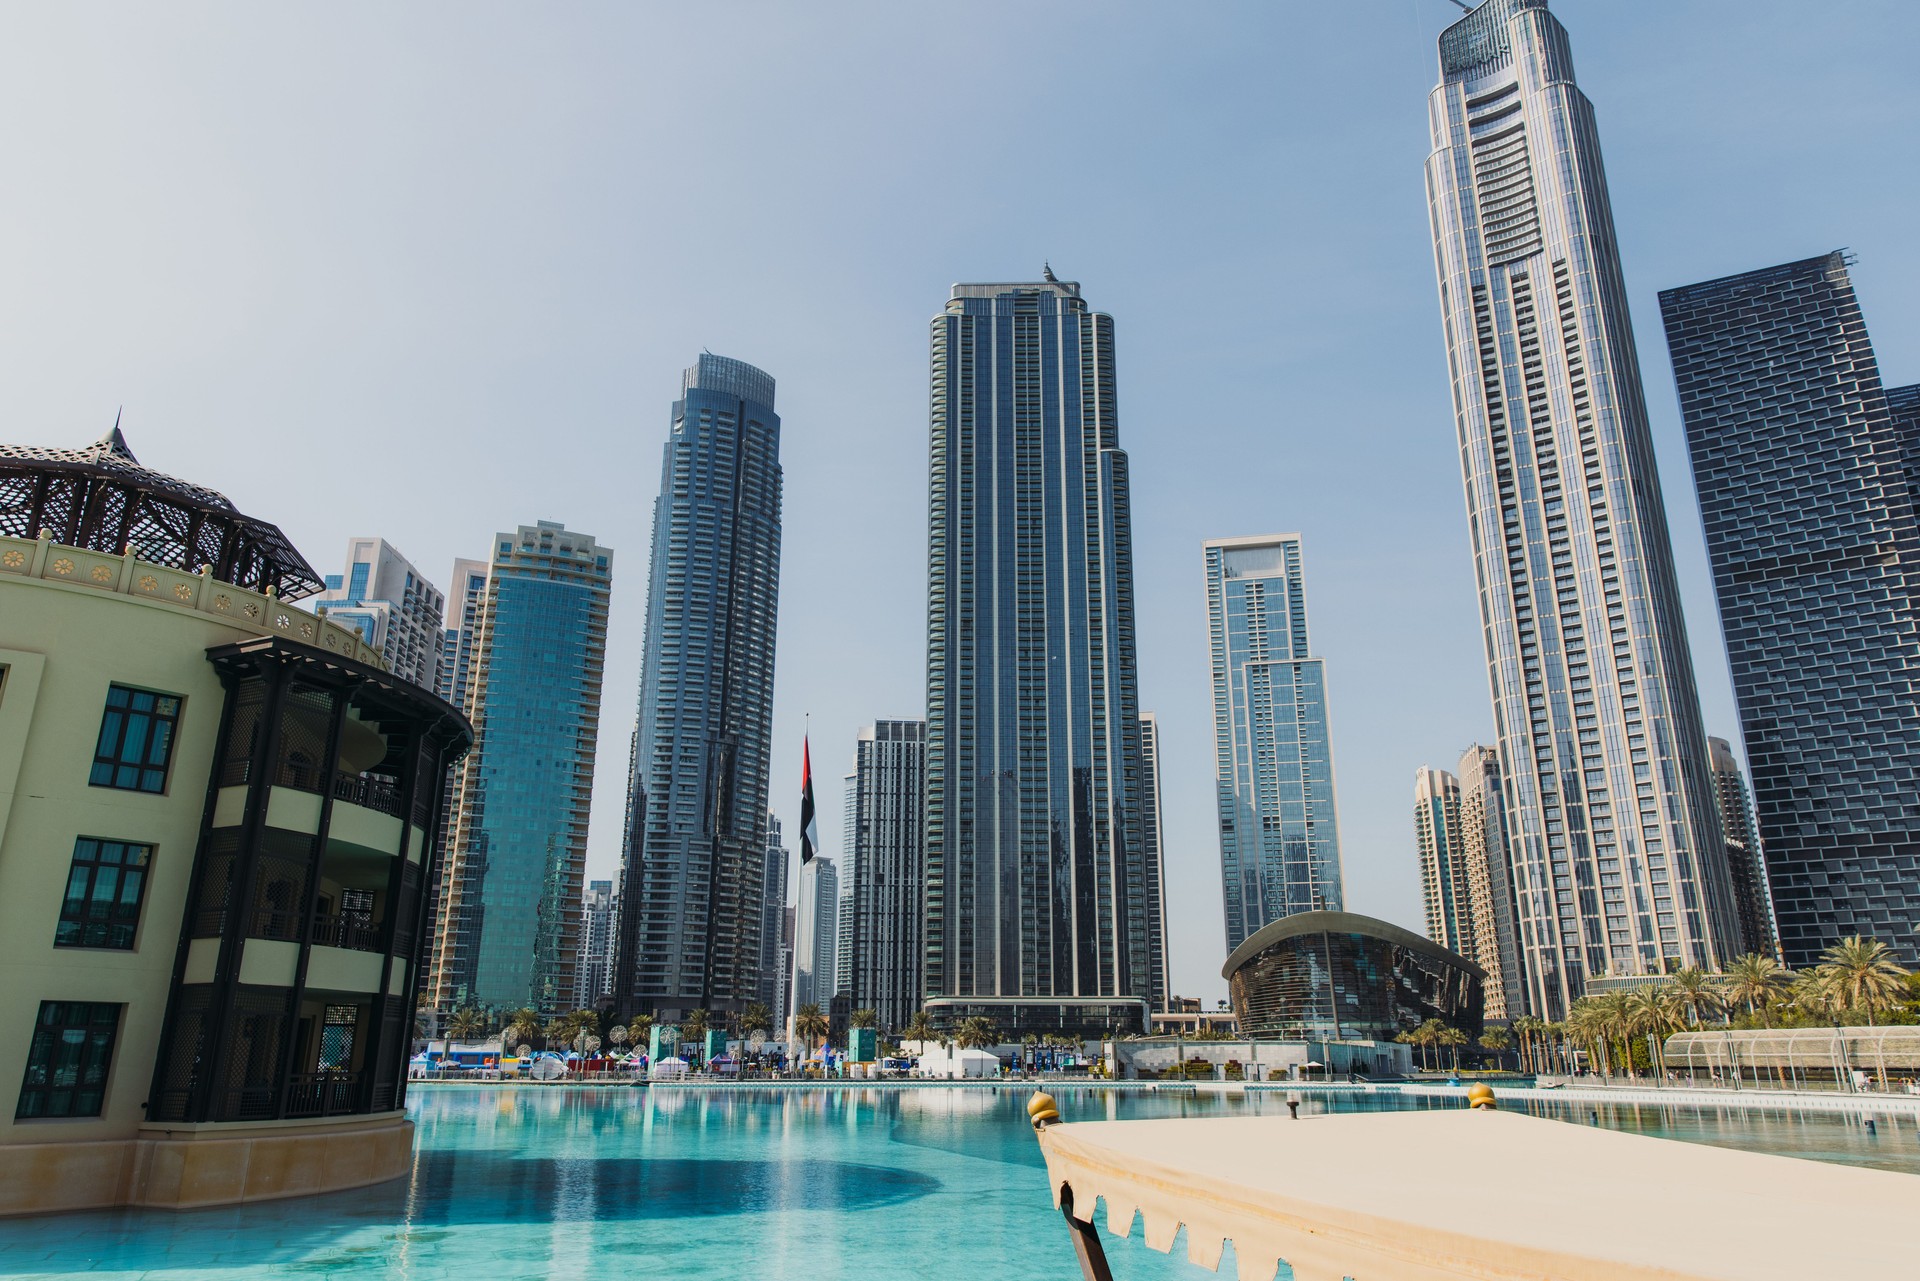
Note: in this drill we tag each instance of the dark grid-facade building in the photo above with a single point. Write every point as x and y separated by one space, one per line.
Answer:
882 878
1614 843
1803 476
1038 909
698 785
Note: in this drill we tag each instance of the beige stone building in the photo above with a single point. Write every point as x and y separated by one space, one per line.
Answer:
216 812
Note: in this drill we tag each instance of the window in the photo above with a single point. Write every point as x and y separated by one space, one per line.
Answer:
104 889
67 1061
136 740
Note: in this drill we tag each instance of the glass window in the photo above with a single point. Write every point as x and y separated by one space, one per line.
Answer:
67 1061
136 740
104 889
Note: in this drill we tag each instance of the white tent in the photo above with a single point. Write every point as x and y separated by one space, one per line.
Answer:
943 1063
668 1069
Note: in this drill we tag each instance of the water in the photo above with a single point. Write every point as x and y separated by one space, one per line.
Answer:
819 1185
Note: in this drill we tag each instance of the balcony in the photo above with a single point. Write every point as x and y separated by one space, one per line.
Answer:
355 931
322 1093
370 791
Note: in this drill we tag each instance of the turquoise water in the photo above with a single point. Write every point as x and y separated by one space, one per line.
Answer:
775 1184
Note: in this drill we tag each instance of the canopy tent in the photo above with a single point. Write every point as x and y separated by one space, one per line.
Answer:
1523 1197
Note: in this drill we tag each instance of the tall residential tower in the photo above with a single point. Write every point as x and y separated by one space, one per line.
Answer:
882 880
392 605
1038 910
698 784
1615 843
509 900
1443 862
1802 469
1273 761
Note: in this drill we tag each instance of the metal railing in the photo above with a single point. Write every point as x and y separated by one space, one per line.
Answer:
322 1093
355 931
382 795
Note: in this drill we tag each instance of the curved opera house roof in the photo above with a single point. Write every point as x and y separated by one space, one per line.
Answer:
102 499
1340 976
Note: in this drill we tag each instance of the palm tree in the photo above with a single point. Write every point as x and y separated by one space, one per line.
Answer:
1586 1025
1655 1010
694 1028
1815 997
1527 1028
640 1029
810 1024
1760 981
1863 975
465 1025
1411 1038
1497 1039
556 1033
977 1033
757 1018
919 1028
862 1018
1453 1038
1699 992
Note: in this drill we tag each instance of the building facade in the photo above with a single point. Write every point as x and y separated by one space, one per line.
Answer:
817 935
1339 976
1037 902
460 627
509 902
1160 987
1443 862
706 696
1614 839
1273 759
593 975
882 878
1744 857
1806 491
216 821
773 908
1483 845
395 608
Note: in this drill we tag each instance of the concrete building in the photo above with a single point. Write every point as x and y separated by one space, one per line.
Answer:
1273 756
1442 853
1038 910
1614 838
509 903
216 815
395 608
773 910
1160 987
817 935
461 628
1484 845
1804 468
882 877
593 975
698 787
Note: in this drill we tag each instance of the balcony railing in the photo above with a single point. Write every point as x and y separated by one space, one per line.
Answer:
355 931
381 795
322 1093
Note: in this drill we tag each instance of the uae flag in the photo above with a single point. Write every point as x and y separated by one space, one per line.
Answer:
809 830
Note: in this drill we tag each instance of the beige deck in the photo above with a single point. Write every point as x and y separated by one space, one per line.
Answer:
1418 1196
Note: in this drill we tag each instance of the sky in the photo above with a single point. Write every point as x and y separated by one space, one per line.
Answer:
430 271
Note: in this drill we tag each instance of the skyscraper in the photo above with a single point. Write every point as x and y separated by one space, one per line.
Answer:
461 628
593 975
1155 831
1443 863
1802 469
1615 842
698 784
1037 905
509 905
1744 857
773 906
1273 761
1483 845
882 882
391 604
817 934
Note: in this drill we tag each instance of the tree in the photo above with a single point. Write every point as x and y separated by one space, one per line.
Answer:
1862 976
1498 1040
1759 982
556 1033
863 1018
1699 992
694 1028
919 1028
977 1033
810 1024
757 1018
465 1025
523 1027
640 1029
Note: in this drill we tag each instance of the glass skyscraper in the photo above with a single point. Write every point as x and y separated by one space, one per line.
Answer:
1155 831
1803 466
1273 762
510 890
1614 839
1038 909
882 880
1750 896
697 802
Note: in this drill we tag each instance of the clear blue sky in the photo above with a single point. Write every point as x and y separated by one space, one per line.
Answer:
427 271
